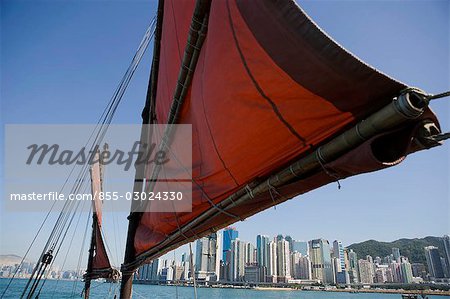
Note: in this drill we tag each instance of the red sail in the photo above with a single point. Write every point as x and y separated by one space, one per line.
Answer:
101 266
269 88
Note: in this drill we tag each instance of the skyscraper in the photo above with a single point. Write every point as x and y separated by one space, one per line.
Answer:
407 275
206 257
229 234
300 246
250 256
237 263
365 271
340 273
320 255
353 266
283 261
446 240
290 241
304 270
262 253
272 269
434 262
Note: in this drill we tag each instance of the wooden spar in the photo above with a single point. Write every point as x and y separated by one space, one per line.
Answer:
148 117
196 37
408 106
192 51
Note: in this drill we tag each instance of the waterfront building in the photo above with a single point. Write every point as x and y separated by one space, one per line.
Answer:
294 259
446 241
396 272
407 276
229 234
166 274
283 261
206 258
304 268
434 262
381 273
237 264
419 270
272 269
341 276
262 250
252 273
250 255
365 271
320 255
353 266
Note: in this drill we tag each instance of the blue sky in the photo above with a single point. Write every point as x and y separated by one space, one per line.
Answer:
61 61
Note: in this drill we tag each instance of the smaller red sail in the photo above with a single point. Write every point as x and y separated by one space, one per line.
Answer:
99 265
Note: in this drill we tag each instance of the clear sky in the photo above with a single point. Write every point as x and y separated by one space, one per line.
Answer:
61 61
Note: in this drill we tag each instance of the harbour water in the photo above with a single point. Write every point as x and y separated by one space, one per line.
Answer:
71 289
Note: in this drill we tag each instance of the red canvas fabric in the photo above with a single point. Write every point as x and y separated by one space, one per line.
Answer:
269 87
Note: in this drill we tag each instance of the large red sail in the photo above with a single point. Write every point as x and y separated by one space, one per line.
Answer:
269 88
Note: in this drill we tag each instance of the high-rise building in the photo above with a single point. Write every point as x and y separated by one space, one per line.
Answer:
262 254
340 272
283 261
272 269
295 258
300 246
251 273
290 241
407 276
304 265
396 270
396 254
365 271
446 241
353 266
419 270
320 255
250 255
434 262
206 258
237 264
381 275
229 234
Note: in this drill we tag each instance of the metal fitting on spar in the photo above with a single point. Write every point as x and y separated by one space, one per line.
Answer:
411 103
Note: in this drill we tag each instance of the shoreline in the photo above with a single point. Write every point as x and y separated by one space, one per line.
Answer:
380 291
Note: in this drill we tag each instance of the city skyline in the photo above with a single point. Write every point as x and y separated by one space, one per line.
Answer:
211 245
276 260
383 206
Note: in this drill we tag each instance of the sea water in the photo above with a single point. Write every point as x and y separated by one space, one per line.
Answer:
73 289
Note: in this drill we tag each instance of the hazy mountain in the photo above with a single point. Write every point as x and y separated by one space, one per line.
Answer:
10 259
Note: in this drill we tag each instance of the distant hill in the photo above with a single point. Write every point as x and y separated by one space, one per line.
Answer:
413 249
10 259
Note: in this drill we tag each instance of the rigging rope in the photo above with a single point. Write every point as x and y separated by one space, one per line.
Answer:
439 95
69 209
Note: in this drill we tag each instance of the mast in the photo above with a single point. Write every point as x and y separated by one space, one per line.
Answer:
96 174
148 117
194 43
